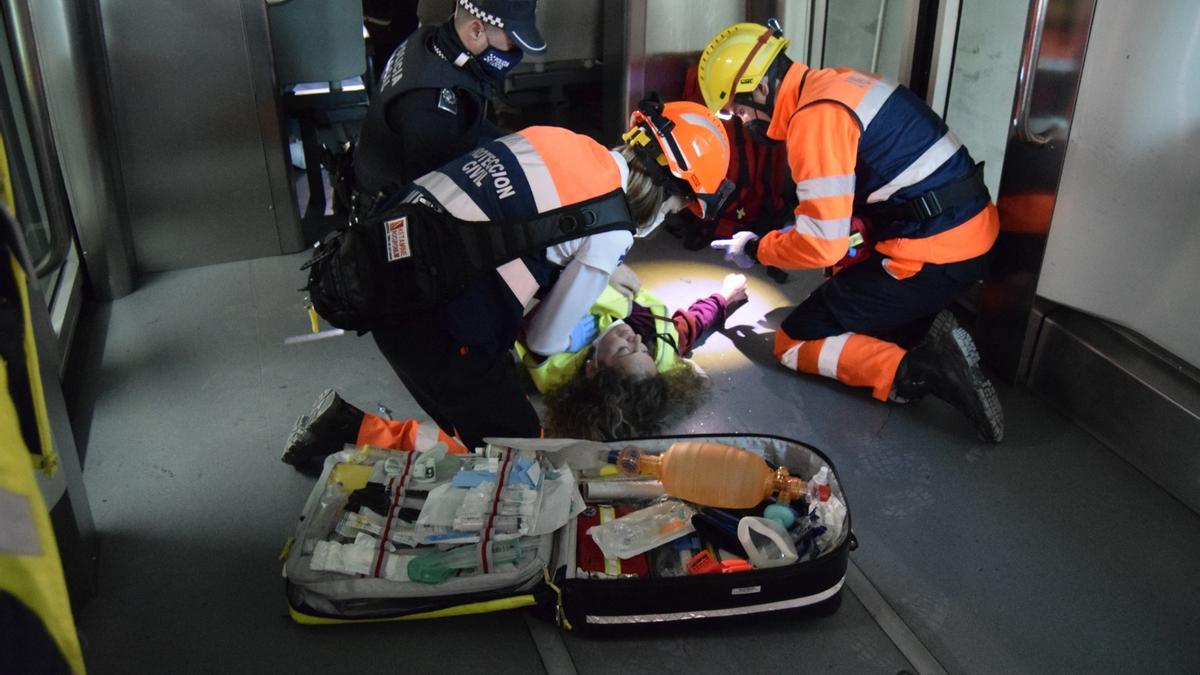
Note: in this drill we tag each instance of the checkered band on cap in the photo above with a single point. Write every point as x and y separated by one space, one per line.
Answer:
481 15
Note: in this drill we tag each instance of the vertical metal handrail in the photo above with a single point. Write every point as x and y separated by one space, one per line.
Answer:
818 17
878 36
1030 54
38 117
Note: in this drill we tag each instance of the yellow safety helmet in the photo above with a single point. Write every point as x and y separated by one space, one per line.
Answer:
735 61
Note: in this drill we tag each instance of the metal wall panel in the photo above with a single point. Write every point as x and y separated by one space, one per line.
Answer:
277 158
1126 235
796 18
67 37
574 31
624 43
871 35
662 38
1142 405
1049 75
686 26
676 31
190 129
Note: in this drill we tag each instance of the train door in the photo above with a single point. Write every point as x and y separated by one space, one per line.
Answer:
31 187
1004 78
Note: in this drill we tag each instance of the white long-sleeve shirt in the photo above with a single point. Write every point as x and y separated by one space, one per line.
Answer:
589 262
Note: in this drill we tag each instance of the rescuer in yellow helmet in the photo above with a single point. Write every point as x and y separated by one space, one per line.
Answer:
889 200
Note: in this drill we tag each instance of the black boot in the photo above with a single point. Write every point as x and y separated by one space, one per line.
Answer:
332 424
943 323
948 368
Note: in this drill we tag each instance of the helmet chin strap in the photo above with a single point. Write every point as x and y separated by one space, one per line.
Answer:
767 107
772 88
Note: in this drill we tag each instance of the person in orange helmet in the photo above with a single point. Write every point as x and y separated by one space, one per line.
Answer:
889 199
455 361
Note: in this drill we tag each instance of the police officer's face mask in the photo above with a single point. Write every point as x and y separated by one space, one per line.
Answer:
498 63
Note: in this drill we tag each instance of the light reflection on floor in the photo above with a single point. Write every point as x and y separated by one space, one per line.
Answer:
680 282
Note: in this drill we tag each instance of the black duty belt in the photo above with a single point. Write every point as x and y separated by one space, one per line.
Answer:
931 204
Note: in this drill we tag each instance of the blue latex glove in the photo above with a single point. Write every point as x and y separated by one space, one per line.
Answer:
735 248
584 333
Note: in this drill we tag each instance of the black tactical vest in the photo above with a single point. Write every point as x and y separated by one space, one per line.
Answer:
380 156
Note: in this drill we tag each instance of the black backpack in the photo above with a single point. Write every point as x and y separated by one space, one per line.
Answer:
413 256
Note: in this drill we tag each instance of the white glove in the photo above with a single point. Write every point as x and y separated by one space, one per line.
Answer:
735 248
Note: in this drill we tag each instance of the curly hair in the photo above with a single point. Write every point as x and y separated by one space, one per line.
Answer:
610 405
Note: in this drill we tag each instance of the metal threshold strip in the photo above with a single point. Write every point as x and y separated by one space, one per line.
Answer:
890 622
548 640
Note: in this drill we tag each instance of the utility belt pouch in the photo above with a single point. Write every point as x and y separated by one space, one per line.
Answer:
342 283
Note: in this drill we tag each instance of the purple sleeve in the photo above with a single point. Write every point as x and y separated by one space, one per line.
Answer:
697 321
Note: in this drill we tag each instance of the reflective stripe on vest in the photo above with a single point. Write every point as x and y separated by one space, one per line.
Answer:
523 174
924 166
926 145
826 186
541 183
520 176
864 95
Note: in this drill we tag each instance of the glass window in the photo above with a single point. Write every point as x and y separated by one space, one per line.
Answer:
19 171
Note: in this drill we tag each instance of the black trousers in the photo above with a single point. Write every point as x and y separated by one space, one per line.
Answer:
466 391
865 299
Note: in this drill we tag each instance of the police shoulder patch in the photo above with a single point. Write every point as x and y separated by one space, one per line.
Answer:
448 101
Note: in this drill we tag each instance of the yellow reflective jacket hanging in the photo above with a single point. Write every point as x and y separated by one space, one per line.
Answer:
31 575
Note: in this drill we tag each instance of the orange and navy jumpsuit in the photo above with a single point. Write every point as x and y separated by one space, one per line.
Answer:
455 360
857 143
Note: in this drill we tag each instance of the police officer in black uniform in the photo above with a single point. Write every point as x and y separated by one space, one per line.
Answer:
433 96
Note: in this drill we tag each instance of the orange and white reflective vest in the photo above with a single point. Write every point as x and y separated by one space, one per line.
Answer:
857 139
515 178
522 175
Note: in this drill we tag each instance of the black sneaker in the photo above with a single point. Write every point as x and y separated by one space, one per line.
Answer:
948 368
331 425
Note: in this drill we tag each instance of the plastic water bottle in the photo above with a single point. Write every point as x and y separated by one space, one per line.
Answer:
712 474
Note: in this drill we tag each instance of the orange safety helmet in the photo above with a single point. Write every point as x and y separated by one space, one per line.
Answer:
691 156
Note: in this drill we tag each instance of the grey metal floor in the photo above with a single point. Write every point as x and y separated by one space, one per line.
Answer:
1045 554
